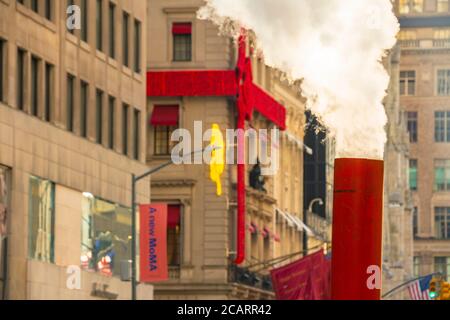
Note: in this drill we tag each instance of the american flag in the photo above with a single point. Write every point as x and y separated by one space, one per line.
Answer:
420 289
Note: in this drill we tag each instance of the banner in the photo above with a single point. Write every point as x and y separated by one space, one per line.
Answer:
153 243
305 279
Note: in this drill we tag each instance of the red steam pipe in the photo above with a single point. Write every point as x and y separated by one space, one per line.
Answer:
357 228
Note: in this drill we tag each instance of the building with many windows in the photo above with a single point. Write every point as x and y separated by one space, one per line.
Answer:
425 96
72 122
191 72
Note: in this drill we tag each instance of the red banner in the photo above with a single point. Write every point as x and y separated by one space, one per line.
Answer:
153 243
306 279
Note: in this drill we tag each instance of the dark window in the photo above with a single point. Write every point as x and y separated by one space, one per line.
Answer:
112 119
413 164
125 42
21 54
182 41
34 86
84 101
412 120
415 221
442 222
99 22
84 20
174 235
3 69
442 266
136 130
35 5
165 120
112 30
125 129
48 92
137 46
70 101
48 9
407 83
443 83
99 116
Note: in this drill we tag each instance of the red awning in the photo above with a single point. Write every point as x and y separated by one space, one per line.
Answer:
173 216
165 115
182 28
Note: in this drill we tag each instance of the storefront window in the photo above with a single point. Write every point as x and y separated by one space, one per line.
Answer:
105 236
42 220
5 188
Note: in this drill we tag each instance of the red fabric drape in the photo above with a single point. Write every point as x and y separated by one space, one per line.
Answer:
165 115
173 216
182 28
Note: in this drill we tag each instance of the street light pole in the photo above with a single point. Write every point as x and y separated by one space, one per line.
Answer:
135 179
305 221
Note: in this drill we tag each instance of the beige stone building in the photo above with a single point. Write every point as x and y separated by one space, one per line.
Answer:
202 241
425 96
397 214
72 122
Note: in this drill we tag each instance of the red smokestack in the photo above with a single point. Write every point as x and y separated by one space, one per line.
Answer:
357 227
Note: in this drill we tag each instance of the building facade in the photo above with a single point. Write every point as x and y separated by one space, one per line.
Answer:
202 236
72 122
425 96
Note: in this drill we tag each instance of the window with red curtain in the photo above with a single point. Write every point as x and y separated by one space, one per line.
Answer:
174 235
165 120
182 41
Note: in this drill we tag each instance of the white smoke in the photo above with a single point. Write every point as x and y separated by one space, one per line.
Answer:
336 48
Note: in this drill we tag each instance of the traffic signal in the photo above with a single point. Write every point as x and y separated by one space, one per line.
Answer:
433 289
217 164
445 291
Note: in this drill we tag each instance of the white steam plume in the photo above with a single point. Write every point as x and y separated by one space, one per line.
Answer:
336 47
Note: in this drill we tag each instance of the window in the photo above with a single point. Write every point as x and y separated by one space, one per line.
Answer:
112 30
412 126
99 116
35 5
137 46
416 266
112 119
442 126
165 121
136 136
84 101
443 83
442 5
99 22
84 20
3 69
442 222
407 83
415 221
410 6
442 34
405 35
21 54
48 9
442 175
182 41
442 265
49 69
34 86
125 129
41 220
125 42
174 235
5 191
413 174
105 236
70 101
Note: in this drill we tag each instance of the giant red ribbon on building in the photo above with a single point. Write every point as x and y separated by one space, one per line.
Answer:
249 97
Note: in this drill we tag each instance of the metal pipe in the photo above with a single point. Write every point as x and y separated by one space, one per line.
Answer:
357 228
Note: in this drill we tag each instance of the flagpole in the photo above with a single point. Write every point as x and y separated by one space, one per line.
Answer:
408 282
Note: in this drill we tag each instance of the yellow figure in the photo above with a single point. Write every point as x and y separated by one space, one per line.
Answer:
217 164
